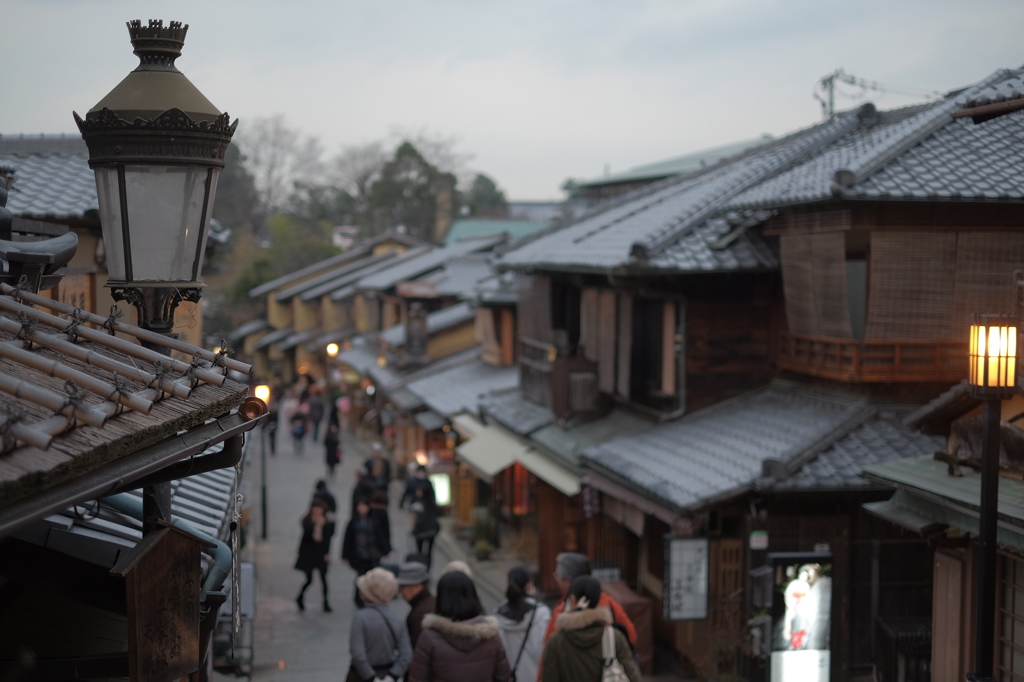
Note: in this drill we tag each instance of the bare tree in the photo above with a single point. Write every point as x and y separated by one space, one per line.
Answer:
278 157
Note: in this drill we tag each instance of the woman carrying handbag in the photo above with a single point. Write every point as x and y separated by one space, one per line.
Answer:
585 646
522 622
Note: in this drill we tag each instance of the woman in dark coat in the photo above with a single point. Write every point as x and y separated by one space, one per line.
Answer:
363 545
314 549
379 513
426 526
574 652
458 643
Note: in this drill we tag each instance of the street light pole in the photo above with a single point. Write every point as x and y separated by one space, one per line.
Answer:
992 379
263 393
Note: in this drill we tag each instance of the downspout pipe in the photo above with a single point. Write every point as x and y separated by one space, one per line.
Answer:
132 506
228 456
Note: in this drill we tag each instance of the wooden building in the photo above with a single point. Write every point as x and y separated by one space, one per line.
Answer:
845 257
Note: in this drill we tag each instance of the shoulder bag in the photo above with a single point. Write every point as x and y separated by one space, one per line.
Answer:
526 638
611 670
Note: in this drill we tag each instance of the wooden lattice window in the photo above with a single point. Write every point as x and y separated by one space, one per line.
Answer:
1010 650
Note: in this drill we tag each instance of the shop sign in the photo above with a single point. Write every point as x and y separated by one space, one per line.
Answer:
685 590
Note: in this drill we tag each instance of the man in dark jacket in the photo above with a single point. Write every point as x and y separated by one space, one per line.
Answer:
412 585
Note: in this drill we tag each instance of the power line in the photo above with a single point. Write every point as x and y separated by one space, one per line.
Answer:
826 90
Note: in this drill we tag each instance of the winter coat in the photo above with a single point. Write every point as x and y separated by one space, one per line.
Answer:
426 525
378 638
450 651
316 409
422 604
514 633
573 654
312 552
380 516
363 544
618 614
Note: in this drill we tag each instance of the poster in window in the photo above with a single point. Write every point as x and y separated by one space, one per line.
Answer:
685 592
802 617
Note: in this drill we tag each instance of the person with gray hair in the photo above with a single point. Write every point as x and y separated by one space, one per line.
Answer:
568 567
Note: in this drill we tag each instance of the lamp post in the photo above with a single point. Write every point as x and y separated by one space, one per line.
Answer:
156 146
992 379
332 352
263 393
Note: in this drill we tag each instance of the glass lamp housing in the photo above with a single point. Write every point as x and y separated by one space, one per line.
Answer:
993 356
156 145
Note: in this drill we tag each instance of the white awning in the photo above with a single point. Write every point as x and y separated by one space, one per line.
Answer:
467 425
490 450
549 471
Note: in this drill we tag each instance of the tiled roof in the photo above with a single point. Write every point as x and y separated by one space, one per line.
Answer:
918 153
360 357
336 280
328 281
461 276
723 450
362 249
273 337
417 267
515 229
238 334
687 163
702 249
51 186
122 397
566 444
882 438
656 217
516 413
459 389
440 320
43 145
1004 91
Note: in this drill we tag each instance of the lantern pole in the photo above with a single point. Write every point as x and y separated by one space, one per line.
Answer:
992 378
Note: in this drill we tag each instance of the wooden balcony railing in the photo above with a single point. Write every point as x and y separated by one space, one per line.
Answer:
873 361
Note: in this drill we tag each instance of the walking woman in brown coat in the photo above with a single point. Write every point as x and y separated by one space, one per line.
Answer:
458 643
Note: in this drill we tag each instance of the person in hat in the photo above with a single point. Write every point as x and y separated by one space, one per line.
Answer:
576 650
522 621
568 567
458 642
412 585
378 641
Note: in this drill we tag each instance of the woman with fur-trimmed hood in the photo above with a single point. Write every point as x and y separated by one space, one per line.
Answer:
573 654
458 643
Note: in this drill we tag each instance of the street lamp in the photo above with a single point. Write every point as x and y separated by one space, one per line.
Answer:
156 145
992 378
263 393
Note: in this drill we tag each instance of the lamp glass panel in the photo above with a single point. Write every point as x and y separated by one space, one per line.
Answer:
165 217
110 221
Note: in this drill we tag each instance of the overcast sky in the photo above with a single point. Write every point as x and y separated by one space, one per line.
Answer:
535 90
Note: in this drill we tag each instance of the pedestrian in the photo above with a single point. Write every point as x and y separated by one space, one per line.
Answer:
298 423
584 639
416 481
379 513
270 426
363 489
378 641
332 449
426 526
412 585
568 567
316 410
321 491
314 549
458 643
522 622
378 466
362 546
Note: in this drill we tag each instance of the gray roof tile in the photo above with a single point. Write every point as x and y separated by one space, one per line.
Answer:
459 313
722 450
51 186
515 412
460 388
413 268
883 438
